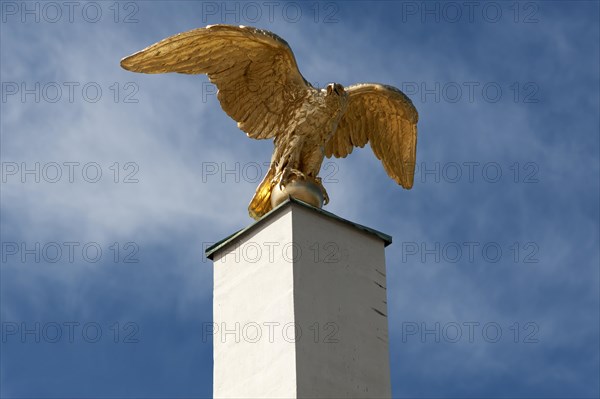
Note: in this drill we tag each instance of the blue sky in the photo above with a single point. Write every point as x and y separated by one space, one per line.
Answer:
507 166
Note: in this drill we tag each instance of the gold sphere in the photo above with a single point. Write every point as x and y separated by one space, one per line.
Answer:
304 190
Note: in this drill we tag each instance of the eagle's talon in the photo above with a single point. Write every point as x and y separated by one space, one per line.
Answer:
297 173
325 196
289 173
319 183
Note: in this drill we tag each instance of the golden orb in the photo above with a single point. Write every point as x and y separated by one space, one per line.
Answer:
304 190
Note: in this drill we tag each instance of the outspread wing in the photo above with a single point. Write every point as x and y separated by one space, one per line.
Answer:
255 71
384 117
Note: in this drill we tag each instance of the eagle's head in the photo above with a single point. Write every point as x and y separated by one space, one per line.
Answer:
336 89
336 96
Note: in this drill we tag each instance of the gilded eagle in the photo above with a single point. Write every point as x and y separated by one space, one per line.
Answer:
259 86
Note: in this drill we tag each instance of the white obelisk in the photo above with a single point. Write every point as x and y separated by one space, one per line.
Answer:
300 308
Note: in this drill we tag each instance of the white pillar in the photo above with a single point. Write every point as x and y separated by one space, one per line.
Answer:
300 308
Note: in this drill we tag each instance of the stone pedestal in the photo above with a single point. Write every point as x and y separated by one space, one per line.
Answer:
300 308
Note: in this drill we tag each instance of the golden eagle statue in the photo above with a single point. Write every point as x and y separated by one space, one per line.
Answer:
260 87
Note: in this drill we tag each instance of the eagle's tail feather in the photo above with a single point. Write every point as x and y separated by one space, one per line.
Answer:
261 202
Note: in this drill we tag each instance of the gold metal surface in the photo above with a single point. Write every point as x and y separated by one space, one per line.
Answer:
304 190
260 87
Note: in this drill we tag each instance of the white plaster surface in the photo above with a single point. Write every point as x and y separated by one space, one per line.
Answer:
300 311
